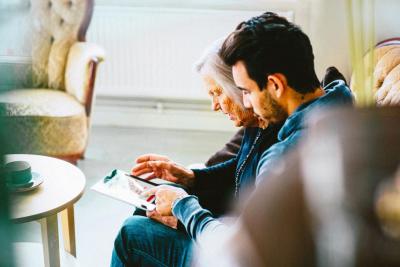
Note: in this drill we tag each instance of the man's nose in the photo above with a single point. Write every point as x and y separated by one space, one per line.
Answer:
246 101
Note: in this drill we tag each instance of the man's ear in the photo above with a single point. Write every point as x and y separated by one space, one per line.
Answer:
277 85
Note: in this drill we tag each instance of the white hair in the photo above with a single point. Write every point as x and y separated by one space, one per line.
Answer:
211 65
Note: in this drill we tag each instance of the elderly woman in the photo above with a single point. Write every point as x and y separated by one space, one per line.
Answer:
147 242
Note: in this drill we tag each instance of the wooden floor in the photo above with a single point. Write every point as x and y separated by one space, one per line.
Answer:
98 218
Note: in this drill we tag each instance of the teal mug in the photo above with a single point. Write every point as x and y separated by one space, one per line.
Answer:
18 173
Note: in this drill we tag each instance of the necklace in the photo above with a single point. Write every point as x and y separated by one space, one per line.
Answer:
241 167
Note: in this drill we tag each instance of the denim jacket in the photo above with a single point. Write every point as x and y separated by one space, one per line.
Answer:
198 220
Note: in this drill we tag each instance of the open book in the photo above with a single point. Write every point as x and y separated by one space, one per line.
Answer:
125 187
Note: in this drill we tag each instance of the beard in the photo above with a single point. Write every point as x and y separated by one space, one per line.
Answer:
245 117
271 110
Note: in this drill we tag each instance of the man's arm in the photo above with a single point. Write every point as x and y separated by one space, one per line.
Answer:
196 220
171 200
271 160
199 221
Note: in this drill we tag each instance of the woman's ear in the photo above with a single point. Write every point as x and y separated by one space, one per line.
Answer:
276 85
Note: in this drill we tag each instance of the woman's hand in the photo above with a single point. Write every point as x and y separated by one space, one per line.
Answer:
162 167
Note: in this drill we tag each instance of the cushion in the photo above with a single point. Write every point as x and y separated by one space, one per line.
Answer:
387 77
43 121
78 72
55 27
386 74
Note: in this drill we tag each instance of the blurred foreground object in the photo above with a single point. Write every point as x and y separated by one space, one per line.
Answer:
324 205
388 206
50 116
349 155
6 232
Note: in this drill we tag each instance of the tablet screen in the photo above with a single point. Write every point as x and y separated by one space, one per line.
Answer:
128 188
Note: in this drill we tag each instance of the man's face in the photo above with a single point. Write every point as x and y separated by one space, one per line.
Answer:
262 102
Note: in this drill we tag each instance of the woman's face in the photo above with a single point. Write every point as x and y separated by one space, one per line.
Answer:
220 101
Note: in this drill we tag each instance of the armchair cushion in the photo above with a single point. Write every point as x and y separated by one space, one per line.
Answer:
386 73
387 77
43 121
55 28
77 75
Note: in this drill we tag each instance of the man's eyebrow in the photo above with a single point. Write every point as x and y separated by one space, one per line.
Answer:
242 89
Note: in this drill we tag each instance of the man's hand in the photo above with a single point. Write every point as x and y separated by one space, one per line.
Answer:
162 167
170 221
165 197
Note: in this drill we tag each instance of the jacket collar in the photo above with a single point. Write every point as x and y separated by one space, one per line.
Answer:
336 93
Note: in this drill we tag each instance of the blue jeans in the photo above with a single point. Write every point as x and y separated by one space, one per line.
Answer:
144 242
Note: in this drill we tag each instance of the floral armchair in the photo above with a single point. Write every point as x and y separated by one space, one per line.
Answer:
51 117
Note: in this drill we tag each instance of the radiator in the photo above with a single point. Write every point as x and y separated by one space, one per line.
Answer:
151 51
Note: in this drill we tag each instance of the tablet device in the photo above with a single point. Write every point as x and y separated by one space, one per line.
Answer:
121 185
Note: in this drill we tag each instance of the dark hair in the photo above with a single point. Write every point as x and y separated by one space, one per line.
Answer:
269 44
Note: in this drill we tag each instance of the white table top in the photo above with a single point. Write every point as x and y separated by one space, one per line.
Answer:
63 185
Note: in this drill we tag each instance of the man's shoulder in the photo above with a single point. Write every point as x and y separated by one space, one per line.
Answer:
340 91
276 151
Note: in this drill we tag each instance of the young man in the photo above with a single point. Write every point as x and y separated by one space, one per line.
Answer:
273 64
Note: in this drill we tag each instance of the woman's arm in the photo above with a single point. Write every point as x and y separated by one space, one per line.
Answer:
229 151
217 176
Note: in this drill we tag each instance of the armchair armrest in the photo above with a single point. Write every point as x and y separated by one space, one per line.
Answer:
81 70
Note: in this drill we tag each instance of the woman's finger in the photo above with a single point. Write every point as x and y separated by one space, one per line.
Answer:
142 171
139 166
161 165
151 157
148 166
152 176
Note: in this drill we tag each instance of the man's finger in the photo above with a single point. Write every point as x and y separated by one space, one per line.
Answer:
150 192
163 209
151 214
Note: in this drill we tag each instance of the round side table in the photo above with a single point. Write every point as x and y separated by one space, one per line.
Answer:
63 185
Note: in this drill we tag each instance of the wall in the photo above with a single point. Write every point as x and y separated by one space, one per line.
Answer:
329 34
148 80
15 43
151 48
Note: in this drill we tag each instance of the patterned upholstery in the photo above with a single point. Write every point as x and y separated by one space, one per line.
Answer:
386 73
55 29
77 71
43 121
51 118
